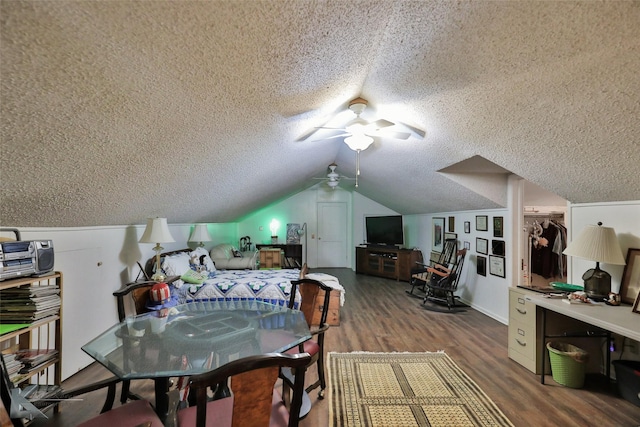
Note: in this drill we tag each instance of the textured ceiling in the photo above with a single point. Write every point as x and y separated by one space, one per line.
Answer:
112 112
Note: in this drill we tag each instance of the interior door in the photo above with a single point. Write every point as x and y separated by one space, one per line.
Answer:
332 234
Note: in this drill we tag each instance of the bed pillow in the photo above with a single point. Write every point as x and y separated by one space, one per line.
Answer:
176 265
194 277
206 261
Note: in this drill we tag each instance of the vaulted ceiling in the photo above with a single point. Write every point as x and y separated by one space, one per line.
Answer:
112 112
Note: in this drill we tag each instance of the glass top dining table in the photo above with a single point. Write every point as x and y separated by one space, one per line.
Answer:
193 338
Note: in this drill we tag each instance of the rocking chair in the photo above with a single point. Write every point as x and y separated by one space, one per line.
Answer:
420 276
444 281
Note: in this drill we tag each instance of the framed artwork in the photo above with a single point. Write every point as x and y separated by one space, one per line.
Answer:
482 245
636 305
630 284
496 266
467 245
434 256
481 223
481 266
437 234
450 236
497 226
452 224
497 247
467 227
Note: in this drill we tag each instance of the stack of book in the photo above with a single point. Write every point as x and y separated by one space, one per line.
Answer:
32 359
28 304
13 366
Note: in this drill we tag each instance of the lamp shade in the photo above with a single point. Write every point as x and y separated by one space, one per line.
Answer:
200 234
157 231
596 243
358 142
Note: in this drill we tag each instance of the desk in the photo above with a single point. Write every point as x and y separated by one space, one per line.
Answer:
609 319
194 338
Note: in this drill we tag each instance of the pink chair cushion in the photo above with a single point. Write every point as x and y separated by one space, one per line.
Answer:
309 346
131 414
220 412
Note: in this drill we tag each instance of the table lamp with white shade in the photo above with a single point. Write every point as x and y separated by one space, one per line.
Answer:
157 231
599 244
200 234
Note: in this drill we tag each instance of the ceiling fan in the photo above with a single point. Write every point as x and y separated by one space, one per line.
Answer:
357 129
333 178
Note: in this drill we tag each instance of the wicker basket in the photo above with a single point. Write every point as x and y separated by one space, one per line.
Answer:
568 364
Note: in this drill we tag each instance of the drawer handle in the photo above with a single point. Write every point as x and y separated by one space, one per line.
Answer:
524 344
521 311
520 300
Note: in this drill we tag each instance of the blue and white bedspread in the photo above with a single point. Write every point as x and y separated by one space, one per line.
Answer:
272 286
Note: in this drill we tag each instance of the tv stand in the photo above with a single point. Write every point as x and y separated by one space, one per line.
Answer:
386 261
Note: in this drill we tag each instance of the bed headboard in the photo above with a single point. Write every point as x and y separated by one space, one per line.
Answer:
150 265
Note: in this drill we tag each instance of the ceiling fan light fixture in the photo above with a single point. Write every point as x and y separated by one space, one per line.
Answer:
358 105
333 184
358 142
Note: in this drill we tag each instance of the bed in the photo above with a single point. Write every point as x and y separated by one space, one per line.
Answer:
271 285
197 279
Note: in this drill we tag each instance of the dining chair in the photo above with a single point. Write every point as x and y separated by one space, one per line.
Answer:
310 291
254 400
138 295
131 414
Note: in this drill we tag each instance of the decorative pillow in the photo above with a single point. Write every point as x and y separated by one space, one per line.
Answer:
194 277
206 261
176 265
236 253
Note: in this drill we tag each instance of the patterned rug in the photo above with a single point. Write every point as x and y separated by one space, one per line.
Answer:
405 389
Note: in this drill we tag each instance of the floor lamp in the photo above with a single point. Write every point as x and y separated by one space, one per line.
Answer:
303 230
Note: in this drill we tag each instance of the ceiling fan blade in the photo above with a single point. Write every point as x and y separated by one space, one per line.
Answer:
381 124
419 133
396 135
339 135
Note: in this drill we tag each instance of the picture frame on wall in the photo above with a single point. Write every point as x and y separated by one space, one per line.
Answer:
636 305
630 284
482 246
450 236
481 223
467 227
481 266
496 266
498 247
498 226
467 245
437 233
451 224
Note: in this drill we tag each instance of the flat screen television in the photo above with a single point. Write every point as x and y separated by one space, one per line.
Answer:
384 230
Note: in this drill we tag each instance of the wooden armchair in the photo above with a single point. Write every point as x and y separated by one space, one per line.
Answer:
309 292
443 281
255 401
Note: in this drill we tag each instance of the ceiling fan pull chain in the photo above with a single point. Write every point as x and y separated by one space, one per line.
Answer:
357 166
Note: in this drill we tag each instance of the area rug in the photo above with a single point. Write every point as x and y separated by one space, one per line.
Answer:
405 389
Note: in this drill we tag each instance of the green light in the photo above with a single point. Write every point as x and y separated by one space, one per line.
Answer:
275 224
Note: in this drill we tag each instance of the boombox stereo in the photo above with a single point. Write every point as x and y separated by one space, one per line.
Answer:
25 258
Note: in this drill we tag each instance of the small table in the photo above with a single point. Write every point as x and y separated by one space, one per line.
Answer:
195 338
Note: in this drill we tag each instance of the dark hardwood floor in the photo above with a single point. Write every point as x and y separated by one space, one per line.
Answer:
380 316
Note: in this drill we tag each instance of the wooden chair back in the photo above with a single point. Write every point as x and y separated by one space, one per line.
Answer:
252 381
137 293
310 299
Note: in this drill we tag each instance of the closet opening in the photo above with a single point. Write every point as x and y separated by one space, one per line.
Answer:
545 237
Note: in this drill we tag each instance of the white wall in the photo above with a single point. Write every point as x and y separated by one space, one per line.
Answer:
488 294
624 217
